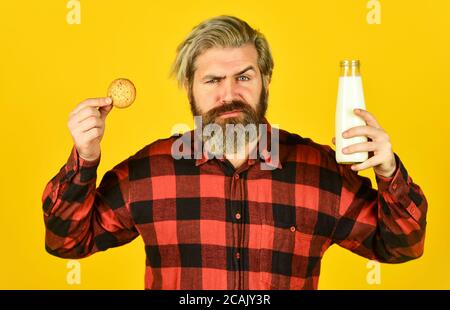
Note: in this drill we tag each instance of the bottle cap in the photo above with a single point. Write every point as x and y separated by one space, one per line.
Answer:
353 63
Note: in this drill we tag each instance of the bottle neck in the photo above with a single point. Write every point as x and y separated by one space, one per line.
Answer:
350 70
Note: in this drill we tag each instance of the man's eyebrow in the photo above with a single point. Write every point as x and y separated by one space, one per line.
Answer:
213 77
245 70
217 77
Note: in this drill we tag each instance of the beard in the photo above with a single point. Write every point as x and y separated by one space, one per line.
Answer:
233 139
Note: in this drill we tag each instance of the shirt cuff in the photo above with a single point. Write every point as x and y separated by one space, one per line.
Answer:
87 163
395 182
75 163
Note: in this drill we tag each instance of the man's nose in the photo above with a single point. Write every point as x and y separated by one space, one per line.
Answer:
228 91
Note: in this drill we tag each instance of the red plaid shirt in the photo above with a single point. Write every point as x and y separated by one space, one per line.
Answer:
206 225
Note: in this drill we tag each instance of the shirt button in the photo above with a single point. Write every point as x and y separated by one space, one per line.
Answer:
394 186
238 216
238 256
292 228
236 176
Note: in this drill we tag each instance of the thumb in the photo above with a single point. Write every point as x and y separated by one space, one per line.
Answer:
104 110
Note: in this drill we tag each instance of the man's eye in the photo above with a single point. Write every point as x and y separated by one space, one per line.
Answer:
213 81
243 78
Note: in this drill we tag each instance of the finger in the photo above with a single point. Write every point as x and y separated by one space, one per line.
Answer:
367 117
89 123
368 131
93 102
371 162
360 147
86 113
333 140
92 134
104 111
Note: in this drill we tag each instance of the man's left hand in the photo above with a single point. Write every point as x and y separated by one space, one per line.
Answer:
383 159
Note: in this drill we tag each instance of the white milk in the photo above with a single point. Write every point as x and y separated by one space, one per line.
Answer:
350 96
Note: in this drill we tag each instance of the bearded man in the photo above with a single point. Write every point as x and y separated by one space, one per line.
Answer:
222 221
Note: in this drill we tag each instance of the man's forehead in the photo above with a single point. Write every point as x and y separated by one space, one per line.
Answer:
220 60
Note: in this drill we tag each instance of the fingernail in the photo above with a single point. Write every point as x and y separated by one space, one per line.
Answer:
353 167
108 100
344 134
357 110
344 150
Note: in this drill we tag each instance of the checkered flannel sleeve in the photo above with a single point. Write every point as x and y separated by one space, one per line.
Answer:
387 225
80 219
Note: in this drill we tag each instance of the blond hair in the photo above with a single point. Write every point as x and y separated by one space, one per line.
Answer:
221 31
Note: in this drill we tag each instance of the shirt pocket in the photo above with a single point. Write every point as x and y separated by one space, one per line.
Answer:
285 255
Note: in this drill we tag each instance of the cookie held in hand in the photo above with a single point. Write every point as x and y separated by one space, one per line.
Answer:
122 92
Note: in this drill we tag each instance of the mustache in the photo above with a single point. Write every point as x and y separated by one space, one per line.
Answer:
234 105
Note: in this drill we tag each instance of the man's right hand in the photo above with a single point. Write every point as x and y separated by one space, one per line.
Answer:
87 125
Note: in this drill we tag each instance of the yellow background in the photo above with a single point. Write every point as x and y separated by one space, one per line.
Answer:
48 66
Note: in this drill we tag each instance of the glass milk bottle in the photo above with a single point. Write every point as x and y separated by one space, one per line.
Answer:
350 96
